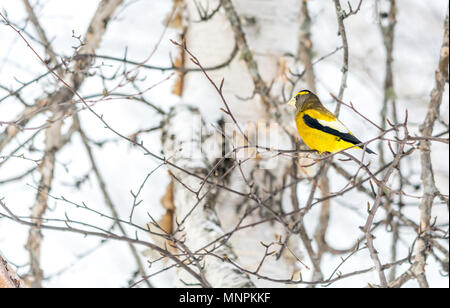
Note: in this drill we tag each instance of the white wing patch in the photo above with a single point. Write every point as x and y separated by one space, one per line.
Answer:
336 124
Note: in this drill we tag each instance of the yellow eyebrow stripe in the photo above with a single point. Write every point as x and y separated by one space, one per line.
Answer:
303 92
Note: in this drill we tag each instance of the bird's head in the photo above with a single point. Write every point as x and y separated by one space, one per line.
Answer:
300 98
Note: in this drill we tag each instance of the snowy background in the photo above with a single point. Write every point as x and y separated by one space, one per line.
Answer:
137 28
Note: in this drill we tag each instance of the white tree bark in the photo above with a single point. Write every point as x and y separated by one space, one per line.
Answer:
271 30
8 278
182 144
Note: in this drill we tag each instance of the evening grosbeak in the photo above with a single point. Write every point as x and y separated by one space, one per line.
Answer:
319 128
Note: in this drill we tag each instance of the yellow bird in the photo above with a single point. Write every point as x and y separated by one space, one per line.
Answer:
318 127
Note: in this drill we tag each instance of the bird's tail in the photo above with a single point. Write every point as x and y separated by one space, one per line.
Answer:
369 151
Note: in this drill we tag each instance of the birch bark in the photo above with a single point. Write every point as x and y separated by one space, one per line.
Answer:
271 34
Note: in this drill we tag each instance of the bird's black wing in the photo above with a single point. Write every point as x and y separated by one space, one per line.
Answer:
313 123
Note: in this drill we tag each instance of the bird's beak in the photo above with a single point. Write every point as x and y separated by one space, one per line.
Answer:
292 102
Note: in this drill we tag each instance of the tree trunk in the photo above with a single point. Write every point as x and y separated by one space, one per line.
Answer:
8 278
261 61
